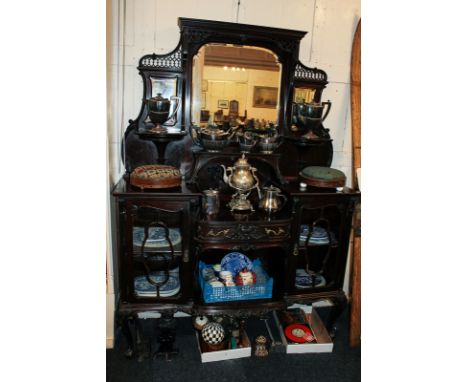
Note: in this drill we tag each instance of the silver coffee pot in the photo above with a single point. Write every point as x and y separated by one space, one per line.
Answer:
272 199
243 179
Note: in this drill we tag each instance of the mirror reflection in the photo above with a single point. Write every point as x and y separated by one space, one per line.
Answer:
234 84
165 88
303 95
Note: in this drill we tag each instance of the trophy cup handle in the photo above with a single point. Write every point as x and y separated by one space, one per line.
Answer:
328 109
285 199
178 102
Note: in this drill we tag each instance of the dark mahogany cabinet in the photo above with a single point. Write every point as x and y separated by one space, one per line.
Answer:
164 235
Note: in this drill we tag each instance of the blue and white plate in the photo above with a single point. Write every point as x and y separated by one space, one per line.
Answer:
319 232
304 280
235 262
156 237
319 236
145 289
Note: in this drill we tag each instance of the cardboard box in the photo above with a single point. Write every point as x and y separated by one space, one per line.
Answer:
324 343
221 355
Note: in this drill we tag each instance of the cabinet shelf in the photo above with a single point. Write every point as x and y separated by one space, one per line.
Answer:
304 247
239 308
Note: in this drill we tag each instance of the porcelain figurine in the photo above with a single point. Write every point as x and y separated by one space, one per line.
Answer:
246 277
260 346
199 322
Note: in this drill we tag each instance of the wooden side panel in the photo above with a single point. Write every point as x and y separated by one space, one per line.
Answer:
355 318
356 100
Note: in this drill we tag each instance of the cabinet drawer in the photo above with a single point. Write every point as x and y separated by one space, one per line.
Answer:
242 231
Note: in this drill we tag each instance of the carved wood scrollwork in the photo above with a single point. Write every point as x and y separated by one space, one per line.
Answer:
272 232
246 232
288 46
244 247
217 233
171 61
196 36
243 232
302 72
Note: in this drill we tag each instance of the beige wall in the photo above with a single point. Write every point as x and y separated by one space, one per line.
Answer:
140 27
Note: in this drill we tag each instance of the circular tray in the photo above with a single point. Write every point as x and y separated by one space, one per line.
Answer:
326 177
299 333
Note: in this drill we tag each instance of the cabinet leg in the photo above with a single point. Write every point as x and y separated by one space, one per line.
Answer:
136 345
143 347
339 304
166 338
124 322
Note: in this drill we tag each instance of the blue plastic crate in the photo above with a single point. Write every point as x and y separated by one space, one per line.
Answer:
263 288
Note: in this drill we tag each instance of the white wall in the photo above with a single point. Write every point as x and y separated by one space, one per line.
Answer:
140 27
147 26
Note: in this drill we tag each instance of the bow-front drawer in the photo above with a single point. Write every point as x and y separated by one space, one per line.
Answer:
242 231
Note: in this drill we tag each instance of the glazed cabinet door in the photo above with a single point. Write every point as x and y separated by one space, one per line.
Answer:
155 254
320 236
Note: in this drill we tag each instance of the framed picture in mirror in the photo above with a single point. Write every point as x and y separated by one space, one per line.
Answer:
204 85
223 104
203 100
265 96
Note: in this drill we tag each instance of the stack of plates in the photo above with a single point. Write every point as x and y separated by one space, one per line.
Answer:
156 238
304 280
319 236
144 289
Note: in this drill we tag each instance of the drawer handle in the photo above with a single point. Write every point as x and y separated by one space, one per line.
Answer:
223 232
269 231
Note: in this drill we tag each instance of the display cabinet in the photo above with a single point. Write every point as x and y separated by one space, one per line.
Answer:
294 237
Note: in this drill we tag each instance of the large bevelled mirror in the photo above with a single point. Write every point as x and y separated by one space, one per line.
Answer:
232 83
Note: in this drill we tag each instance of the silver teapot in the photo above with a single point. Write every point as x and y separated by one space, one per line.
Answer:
268 144
212 138
241 176
271 200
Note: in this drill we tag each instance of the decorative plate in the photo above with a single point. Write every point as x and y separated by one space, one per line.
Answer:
319 232
299 333
144 289
235 262
304 280
156 237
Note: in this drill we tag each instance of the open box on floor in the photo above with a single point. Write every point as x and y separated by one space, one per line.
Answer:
208 355
323 344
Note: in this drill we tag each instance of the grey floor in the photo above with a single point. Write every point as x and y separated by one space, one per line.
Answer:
343 365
